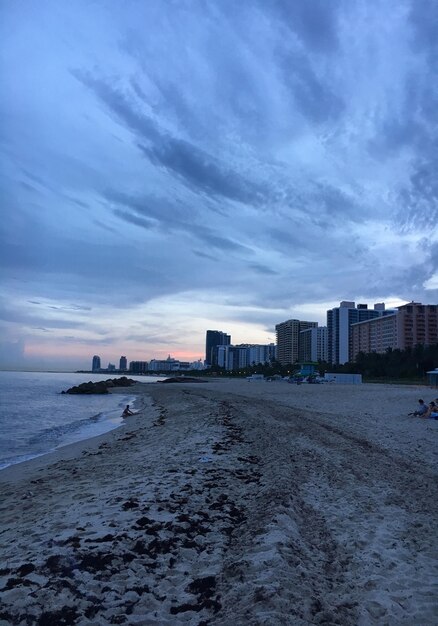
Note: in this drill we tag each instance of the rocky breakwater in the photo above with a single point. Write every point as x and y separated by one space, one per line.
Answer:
101 386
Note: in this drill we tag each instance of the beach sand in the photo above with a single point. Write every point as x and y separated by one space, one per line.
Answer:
231 503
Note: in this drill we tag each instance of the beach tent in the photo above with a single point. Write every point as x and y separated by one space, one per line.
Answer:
432 377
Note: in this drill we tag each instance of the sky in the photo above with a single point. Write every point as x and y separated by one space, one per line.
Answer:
173 166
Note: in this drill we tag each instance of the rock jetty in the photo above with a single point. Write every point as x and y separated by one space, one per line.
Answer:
101 386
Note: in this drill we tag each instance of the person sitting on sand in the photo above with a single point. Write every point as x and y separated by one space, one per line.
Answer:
127 411
422 409
432 411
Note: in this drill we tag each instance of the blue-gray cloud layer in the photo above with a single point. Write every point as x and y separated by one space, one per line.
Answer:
273 152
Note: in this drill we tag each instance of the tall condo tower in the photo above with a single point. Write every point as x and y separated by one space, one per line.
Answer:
288 339
214 338
123 365
339 322
95 366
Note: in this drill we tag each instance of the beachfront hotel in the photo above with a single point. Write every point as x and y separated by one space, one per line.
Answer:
339 322
288 339
411 325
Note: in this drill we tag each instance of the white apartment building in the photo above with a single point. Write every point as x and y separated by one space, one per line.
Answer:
314 344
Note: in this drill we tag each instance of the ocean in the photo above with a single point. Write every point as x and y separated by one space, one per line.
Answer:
35 418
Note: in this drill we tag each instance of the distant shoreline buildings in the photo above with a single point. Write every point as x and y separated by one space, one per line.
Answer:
145 367
351 329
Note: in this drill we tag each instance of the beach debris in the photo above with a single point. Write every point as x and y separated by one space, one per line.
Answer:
64 617
132 503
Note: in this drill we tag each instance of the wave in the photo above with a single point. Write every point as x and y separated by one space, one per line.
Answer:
56 436
54 433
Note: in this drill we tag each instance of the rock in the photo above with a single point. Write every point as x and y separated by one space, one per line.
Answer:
101 386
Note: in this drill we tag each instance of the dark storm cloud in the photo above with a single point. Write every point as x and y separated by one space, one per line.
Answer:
286 238
263 269
143 222
83 272
29 187
208 236
314 21
68 307
337 204
81 204
315 98
153 209
166 218
419 200
204 255
194 166
201 171
117 104
87 341
106 227
424 18
73 307
394 135
11 313
33 177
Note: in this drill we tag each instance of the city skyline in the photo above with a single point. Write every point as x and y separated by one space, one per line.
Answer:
314 345
167 170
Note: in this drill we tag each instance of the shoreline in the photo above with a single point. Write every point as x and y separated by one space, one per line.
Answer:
231 502
70 450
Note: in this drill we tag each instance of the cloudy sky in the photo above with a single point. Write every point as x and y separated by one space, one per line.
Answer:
169 166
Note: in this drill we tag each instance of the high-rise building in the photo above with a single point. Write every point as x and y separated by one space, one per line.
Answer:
339 322
95 366
413 324
123 364
214 338
232 357
261 353
374 335
288 340
313 344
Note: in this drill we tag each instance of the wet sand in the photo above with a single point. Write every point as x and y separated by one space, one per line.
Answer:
231 503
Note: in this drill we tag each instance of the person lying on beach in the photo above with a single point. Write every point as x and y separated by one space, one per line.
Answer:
422 409
127 411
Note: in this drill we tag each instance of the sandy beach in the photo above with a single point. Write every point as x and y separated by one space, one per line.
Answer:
231 503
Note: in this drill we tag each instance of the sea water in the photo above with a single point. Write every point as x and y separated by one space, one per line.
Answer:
36 418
